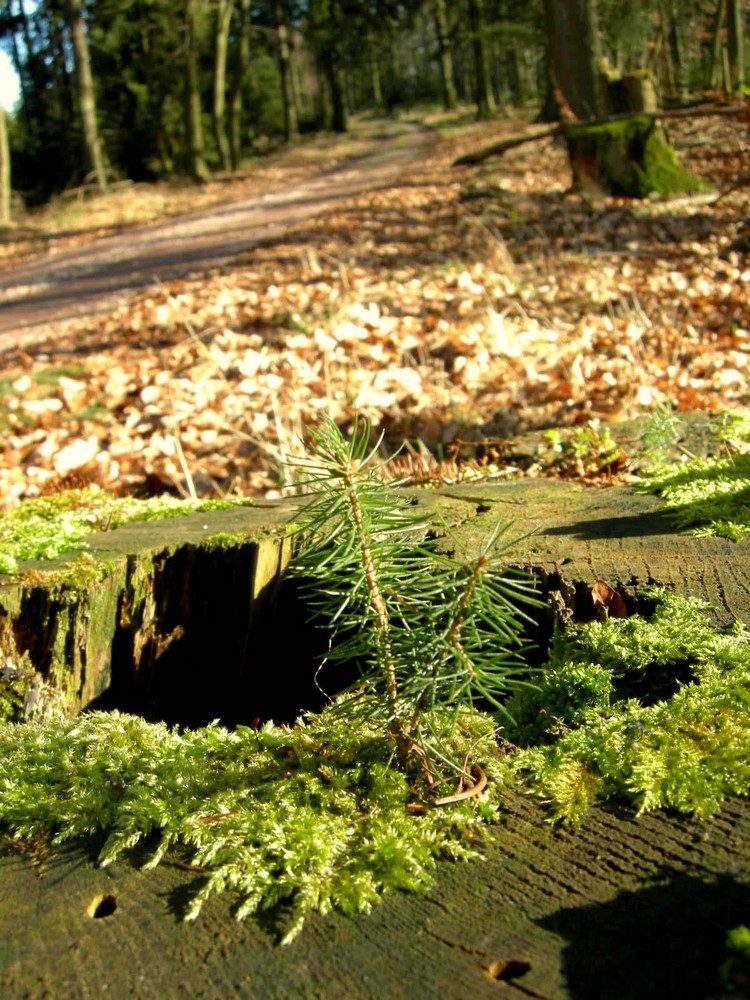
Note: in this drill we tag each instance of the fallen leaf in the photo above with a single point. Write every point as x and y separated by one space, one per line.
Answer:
608 599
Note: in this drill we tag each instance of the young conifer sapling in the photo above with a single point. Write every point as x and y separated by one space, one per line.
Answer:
426 630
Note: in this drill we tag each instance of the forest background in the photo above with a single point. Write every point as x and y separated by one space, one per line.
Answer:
140 89
454 309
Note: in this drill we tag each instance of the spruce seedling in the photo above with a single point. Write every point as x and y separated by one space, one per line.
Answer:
663 427
425 630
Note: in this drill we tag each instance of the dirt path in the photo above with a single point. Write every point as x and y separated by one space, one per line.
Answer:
37 297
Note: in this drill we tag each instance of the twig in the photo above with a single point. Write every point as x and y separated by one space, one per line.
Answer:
468 793
741 182
184 866
184 466
215 817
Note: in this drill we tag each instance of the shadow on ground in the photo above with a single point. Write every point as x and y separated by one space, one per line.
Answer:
666 940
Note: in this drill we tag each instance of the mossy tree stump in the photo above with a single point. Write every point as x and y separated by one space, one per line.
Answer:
193 608
629 158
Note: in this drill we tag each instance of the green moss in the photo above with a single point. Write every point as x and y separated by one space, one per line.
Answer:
46 527
707 496
223 540
734 974
77 574
652 711
315 815
732 426
13 685
24 694
662 171
585 451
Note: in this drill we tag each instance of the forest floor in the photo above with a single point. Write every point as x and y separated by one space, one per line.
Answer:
452 307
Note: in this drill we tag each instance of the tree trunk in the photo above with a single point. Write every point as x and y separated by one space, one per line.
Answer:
323 106
18 65
736 43
33 102
673 30
628 158
224 12
445 55
337 85
64 87
573 47
94 158
713 77
334 67
5 218
193 127
484 99
155 101
291 129
377 90
242 61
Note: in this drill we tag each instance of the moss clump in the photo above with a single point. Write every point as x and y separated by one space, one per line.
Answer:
651 711
48 526
733 427
316 815
707 496
13 684
223 540
628 158
734 973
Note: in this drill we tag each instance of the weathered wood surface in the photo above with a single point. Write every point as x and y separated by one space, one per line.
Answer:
623 908
573 536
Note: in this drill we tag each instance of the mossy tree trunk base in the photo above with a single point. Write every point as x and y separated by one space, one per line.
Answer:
189 619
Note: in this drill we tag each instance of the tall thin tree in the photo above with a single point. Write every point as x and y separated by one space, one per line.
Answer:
291 129
483 96
445 54
4 171
736 42
224 11
193 128
241 64
93 155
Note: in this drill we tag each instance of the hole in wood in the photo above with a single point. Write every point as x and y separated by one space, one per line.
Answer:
102 906
504 970
210 649
204 647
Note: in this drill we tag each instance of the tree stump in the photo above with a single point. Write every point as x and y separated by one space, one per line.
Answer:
189 618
